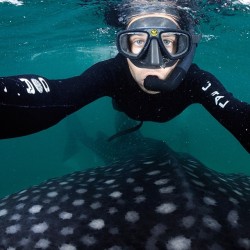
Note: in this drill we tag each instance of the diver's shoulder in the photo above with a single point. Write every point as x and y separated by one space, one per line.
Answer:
194 68
116 60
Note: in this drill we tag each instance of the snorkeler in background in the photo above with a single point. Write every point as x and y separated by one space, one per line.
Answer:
151 79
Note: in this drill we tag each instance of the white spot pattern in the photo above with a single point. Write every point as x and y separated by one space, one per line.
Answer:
81 191
78 202
96 205
109 182
138 189
20 206
115 248
15 217
42 244
132 216
13 229
112 210
244 243
88 240
211 223
209 201
35 209
130 180
232 218
53 209
166 190
155 172
161 182
67 231
116 194
74 198
67 247
39 228
166 208
140 199
188 221
179 243
65 215
97 224
52 194
3 212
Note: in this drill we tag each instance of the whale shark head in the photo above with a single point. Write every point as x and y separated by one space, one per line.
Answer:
153 198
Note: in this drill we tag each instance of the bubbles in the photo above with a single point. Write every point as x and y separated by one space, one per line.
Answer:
202 11
208 37
14 2
245 2
181 9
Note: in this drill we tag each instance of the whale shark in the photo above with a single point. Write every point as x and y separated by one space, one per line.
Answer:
146 196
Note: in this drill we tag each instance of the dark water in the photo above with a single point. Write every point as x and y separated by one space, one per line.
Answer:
59 39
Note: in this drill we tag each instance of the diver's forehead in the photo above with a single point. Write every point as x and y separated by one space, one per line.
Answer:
154 20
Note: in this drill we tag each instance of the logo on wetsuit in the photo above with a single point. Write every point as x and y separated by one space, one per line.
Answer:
217 96
38 84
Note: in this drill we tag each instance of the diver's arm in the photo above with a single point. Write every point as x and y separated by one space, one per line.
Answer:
232 113
30 103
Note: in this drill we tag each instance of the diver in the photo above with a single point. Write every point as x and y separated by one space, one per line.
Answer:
152 78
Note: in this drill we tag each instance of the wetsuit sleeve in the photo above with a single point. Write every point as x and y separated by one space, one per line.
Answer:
30 103
232 113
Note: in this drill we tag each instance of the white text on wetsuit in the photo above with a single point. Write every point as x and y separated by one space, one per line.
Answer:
219 99
38 84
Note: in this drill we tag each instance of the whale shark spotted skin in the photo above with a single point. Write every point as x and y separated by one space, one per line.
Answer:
151 198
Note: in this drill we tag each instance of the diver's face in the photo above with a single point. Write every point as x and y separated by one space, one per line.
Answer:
139 74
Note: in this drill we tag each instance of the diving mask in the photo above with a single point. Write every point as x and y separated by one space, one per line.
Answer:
154 42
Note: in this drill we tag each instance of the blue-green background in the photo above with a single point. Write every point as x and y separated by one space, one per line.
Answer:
59 39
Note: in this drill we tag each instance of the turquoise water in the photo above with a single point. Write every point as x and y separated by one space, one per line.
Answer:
61 39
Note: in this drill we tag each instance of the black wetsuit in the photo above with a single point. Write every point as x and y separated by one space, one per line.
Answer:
30 103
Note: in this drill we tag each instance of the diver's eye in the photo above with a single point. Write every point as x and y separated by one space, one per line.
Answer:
137 42
167 42
169 45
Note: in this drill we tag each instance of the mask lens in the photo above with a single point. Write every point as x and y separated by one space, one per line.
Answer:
133 43
172 44
175 44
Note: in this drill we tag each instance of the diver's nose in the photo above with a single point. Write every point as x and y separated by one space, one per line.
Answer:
155 53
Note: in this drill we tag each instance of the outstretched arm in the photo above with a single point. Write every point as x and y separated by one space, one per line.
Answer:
30 103
232 113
